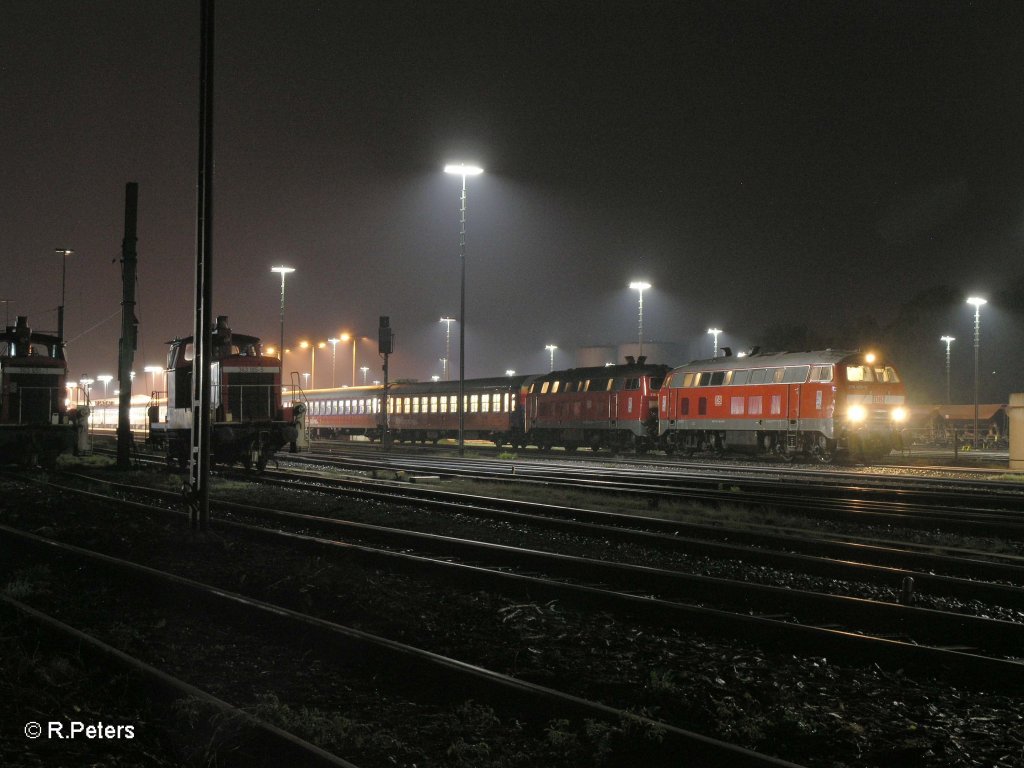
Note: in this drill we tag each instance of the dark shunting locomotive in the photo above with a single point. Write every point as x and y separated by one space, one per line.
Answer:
248 422
35 426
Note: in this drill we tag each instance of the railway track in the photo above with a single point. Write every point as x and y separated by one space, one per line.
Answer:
503 571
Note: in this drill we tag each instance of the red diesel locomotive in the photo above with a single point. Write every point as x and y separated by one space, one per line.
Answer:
821 404
613 407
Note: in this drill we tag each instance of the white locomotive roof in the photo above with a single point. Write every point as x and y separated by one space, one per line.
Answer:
821 357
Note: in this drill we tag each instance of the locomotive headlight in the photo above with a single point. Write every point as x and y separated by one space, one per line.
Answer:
856 413
899 415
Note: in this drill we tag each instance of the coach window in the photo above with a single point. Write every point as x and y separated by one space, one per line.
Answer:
407 404
821 373
362 405
453 404
554 386
444 405
433 404
795 374
610 385
776 405
415 405
474 403
736 406
496 402
702 407
485 404
544 387
775 375
754 405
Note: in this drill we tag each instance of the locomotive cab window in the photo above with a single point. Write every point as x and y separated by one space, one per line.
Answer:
757 375
859 373
703 380
610 385
554 386
887 375
656 383
821 373
632 383
740 378
717 378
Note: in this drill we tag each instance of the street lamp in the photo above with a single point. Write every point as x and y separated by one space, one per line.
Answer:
949 340
312 359
447 345
714 332
64 253
364 369
510 372
284 271
977 303
551 351
354 338
106 378
462 170
641 287
334 355
86 383
152 370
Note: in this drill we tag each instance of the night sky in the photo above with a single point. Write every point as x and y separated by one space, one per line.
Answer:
766 165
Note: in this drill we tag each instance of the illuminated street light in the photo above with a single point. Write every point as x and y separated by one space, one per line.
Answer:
641 287
354 338
447 346
949 340
551 352
86 383
152 370
106 378
334 356
714 332
64 253
462 170
305 379
365 370
284 271
435 378
977 303
510 372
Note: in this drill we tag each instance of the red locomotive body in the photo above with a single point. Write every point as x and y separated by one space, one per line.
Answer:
612 407
34 422
248 423
815 403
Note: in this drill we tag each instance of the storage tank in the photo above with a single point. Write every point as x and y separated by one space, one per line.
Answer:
593 357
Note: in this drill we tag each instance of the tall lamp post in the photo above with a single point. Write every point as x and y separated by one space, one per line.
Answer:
714 332
949 340
334 356
551 356
105 378
364 369
354 339
447 345
638 285
64 253
152 370
463 170
284 271
977 303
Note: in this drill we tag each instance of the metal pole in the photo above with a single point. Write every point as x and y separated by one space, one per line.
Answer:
977 358
462 322
129 325
281 348
641 321
199 456
354 340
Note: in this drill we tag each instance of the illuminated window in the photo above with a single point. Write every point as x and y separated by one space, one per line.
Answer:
496 401
433 405
821 373
585 386
544 387
485 404
736 406
755 405
474 403
554 386
454 404
856 373
415 405
688 380
444 405
610 386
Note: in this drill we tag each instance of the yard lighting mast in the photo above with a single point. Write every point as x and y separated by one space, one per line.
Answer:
714 332
639 285
284 271
977 303
949 340
460 169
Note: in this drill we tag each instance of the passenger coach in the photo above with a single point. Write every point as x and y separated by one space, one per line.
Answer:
816 403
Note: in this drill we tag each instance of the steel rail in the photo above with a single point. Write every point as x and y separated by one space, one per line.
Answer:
265 744
530 698
973 631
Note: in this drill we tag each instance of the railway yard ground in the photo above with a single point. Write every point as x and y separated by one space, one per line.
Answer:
374 612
